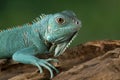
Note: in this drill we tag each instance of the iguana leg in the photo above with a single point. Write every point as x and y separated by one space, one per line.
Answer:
26 56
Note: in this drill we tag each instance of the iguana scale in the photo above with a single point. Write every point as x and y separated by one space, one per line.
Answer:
51 33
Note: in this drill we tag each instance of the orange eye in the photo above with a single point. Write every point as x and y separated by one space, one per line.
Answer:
60 20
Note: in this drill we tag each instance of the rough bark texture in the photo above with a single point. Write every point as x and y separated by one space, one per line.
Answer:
97 60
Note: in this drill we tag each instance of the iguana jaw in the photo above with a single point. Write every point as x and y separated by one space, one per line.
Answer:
61 47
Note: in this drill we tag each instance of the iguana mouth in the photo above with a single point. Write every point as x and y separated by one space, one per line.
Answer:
61 47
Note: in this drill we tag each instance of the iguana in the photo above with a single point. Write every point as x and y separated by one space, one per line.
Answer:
50 33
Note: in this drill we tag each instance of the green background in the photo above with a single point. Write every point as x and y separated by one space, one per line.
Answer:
100 18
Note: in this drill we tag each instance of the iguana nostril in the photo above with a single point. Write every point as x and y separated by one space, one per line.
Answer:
77 22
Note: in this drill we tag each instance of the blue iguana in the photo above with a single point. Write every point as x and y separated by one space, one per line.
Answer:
50 33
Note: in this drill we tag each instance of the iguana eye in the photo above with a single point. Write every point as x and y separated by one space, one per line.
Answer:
60 20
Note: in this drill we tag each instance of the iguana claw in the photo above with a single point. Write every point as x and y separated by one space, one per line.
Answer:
45 64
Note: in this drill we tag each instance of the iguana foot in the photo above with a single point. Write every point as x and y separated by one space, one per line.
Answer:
44 63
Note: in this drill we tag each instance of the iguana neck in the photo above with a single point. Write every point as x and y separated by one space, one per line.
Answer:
39 29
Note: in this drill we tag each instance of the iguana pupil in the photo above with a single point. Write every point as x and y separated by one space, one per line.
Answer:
60 20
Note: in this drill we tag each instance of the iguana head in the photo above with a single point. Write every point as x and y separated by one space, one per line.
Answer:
61 29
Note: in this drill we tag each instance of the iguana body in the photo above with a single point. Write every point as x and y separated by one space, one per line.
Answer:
51 33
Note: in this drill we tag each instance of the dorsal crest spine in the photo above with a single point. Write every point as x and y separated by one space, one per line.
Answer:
39 18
